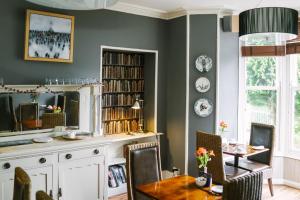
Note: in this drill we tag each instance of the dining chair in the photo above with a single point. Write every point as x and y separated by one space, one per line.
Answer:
216 167
28 112
248 187
143 166
41 195
50 120
22 185
261 135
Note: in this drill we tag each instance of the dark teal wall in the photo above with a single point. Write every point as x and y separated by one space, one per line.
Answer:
176 91
203 40
92 29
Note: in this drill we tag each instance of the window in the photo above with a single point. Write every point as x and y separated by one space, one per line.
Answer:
295 101
261 91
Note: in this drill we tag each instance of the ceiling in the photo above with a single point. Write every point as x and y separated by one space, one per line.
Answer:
233 5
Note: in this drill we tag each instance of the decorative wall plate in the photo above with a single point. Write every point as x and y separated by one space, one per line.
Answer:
203 107
203 63
202 84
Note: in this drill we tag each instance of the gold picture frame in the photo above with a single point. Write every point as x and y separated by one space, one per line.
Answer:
49 37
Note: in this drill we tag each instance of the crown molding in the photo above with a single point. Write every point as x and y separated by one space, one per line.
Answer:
161 14
138 10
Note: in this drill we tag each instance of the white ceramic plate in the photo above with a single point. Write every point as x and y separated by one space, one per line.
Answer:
77 137
203 63
203 107
217 189
202 84
42 140
258 147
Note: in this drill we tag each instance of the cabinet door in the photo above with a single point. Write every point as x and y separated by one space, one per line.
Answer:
6 185
82 179
41 179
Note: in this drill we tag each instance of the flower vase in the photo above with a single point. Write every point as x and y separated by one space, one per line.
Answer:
204 179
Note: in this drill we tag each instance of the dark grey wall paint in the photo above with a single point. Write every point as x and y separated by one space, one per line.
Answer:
203 40
176 92
92 29
229 80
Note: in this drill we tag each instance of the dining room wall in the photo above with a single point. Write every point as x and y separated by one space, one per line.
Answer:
229 81
203 40
92 29
176 92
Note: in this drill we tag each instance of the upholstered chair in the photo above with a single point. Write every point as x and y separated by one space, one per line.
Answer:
143 166
216 167
261 135
22 185
41 195
247 187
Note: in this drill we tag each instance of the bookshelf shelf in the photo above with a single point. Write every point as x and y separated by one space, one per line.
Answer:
121 92
127 119
123 82
121 65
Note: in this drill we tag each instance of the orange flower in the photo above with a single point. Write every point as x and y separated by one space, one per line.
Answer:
201 151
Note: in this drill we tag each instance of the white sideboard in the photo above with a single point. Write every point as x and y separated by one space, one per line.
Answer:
66 170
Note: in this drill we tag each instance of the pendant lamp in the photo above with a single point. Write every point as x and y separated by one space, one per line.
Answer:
278 23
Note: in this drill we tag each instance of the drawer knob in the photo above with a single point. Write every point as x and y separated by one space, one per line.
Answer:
6 165
96 151
68 156
42 160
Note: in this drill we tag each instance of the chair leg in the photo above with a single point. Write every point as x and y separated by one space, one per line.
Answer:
271 186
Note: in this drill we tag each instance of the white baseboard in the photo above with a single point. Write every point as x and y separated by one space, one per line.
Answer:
279 181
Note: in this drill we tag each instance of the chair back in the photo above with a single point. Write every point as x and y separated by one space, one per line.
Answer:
50 120
262 134
41 195
215 167
247 187
28 111
13 114
22 185
143 166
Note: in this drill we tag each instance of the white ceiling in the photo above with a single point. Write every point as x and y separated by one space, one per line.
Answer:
233 5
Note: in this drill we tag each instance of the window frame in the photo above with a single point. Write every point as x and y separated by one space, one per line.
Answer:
290 151
243 88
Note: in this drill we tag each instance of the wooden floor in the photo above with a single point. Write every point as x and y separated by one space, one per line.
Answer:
281 193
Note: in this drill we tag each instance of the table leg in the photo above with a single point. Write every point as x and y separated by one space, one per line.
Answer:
236 161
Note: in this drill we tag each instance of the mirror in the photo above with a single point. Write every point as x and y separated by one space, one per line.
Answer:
35 111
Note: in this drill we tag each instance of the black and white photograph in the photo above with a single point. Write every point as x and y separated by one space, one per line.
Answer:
49 37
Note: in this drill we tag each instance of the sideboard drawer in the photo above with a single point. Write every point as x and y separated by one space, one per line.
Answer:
79 154
28 162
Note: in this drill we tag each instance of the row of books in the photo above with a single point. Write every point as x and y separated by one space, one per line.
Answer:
110 58
123 86
119 72
119 113
116 175
118 99
116 127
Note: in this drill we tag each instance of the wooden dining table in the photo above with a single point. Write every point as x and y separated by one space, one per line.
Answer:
177 188
241 151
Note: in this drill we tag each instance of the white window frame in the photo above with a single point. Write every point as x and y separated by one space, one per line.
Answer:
243 101
290 151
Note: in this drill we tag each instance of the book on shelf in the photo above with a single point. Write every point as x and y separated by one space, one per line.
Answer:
122 58
116 175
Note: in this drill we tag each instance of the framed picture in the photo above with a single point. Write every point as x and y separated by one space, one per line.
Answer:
49 37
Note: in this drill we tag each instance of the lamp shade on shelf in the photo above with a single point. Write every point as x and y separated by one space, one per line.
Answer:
136 105
278 23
